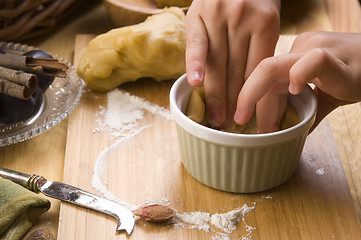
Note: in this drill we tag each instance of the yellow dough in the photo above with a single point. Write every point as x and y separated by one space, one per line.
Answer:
196 108
196 112
177 3
154 48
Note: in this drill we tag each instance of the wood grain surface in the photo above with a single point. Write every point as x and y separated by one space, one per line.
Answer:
45 153
315 203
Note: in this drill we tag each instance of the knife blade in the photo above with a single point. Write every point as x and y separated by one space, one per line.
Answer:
74 195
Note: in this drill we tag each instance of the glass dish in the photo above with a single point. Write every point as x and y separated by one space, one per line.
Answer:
59 100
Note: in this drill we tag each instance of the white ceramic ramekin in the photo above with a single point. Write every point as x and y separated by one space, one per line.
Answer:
241 163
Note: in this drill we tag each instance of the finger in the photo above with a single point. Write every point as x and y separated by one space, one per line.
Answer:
197 48
249 46
262 45
215 72
236 63
324 70
267 74
271 108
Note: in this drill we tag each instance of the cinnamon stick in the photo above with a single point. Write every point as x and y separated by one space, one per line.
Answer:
39 66
27 79
13 89
17 83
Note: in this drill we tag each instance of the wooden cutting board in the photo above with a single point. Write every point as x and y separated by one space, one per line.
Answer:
314 204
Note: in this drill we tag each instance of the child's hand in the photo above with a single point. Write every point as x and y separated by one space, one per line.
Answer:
331 61
226 39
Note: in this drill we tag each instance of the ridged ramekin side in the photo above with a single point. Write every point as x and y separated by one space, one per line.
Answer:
239 169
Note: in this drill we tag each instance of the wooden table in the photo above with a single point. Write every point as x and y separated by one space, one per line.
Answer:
332 15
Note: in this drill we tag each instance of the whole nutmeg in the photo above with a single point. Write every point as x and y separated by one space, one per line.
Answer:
155 213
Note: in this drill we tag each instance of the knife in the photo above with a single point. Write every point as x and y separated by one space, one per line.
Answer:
74 195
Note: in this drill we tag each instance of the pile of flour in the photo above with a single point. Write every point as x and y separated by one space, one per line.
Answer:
226 222
120 118
123 112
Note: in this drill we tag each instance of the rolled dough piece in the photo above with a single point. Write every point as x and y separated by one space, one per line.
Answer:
152 49
196 108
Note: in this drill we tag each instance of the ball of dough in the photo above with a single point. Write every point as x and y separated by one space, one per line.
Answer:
154 49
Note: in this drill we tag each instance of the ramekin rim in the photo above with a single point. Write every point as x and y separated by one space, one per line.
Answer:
233 139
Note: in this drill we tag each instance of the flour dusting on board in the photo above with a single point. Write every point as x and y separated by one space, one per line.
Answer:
98 171
124 112
121 119
226 222
320 171
312 162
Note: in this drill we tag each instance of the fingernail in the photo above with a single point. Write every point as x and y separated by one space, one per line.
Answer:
214 119
292 89
238 118
195 77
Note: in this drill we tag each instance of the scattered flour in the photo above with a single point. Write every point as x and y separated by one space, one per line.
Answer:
195 220
121 120
320 171
98 171
269 196
311 161
226 222
221 236
123 113
249 230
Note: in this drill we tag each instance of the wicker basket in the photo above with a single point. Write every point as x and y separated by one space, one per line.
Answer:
24 19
